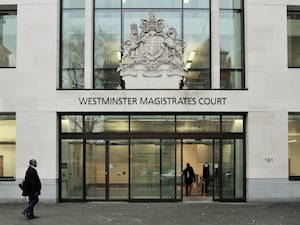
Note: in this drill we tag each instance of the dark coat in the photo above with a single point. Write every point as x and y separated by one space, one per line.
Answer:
32 184
189 175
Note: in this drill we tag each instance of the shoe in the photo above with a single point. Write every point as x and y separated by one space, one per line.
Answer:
25 214
32 217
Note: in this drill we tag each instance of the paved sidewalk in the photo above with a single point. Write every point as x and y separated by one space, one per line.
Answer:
124 213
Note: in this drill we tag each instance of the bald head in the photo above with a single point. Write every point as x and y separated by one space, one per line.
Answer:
32 162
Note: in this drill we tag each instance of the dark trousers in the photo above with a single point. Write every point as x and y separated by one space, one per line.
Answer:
188 189
33 200
206 184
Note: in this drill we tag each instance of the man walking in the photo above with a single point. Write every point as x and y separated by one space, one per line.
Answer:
189 178
31 188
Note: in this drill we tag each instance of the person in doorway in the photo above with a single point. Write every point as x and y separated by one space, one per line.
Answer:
206 176
31 188
189 178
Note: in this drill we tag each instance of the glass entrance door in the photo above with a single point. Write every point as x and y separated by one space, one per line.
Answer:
106 174
153 169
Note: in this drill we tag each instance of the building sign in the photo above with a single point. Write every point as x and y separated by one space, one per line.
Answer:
152 101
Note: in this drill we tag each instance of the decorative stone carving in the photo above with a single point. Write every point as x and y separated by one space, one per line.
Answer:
153 59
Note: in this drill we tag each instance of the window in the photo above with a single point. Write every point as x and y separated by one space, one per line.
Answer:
231 45
72 45
293 30
8 33
110 23
198 45
7 146
294 146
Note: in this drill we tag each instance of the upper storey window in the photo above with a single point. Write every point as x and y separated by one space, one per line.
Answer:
111 24
8 33
72 44
293 30
231 45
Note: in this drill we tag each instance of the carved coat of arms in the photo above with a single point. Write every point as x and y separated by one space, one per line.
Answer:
153 51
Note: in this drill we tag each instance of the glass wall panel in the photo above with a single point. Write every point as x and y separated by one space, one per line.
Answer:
8 37
228 172
231 48
178 169
72 4
152 4
196 4
239 168
72 45
145 169
294 146
107 39
107 4
71 165
106 123
7 146
230 4
95 174
72 123
230 40
197 123
197 51
171 19
168 169
217 168
231 79
232 123
152 123
293 30
118 169
232 169
196 79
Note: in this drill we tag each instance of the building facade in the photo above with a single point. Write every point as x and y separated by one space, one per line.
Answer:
114 98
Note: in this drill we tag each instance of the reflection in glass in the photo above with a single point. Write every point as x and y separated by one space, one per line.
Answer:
151 4
107 41
228 172
293 25
71 169
107 4
230 39
231 50
197 51
217 170
232 169
171 19
72 52
178 169
294 145
168 169
8 38
231 79
118 169
196 4
232 123
95 177
198 123
239 168
152 123
145 169
230 4
72 123
106 123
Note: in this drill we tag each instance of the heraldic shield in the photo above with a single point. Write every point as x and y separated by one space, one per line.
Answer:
153 59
